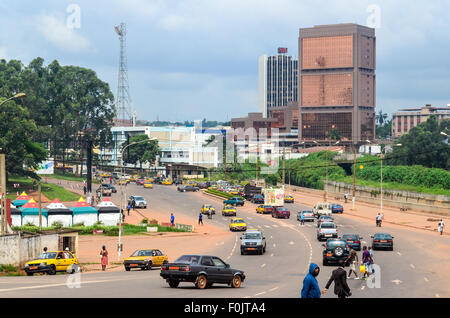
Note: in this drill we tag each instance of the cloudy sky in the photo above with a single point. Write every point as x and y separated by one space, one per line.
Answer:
191 59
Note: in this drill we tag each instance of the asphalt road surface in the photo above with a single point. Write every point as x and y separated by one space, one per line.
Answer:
411 270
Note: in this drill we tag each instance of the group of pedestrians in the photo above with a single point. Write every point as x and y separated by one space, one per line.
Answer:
339 276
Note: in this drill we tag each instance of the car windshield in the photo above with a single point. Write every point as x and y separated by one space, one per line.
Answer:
323 217
335 243
252 236
282 209
188 259
350 236
267 206
328 226
383 236
139 198
238 221
142 253
307 211
47 256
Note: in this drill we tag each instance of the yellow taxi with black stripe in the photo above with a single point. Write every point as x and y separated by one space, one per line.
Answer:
145 259
229 210
148 185
288 199
52 262
238 224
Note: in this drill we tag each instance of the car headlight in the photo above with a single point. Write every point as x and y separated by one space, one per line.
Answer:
26 265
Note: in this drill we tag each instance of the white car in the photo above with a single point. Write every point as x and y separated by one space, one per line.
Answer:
322 208
138 201
327 230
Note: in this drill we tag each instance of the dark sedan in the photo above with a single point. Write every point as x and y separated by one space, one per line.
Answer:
202 270
353 240
382 241
187 188
258 198
281 212
337 208
110 186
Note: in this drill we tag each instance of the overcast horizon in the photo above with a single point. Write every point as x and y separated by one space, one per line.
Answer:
190 60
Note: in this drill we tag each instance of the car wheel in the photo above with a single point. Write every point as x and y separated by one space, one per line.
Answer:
264 249
29 274
173 283
236 282
149 266
127 268
52 270
201 282
242 252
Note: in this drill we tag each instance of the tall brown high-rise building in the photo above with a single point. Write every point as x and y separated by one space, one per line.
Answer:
336 82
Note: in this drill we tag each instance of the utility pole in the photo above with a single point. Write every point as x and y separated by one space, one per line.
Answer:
354 176
381 185
3 192
284 170
40 206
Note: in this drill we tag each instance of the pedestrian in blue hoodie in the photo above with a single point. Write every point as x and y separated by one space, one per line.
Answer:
310 286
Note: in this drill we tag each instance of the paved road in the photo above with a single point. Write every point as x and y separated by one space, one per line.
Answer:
411 270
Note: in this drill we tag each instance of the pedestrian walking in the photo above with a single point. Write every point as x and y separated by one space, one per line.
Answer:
84 189
200 218
346 197
339 277
172 219
366 260
352 260
133 205
310 285
110 180
104 257
371 269
378 219
128 209
302 218
441 227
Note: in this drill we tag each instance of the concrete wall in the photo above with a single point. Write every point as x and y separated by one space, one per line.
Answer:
17 250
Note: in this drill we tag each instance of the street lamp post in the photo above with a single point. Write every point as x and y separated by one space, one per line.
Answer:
119 247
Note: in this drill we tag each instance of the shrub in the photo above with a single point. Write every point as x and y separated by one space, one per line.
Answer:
57 224
144 221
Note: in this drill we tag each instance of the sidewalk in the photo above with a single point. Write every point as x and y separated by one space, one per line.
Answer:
414 220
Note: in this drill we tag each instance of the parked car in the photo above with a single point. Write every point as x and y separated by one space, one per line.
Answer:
52 262
202 270
202 185
145 259
264 209
253 241
238 224
327 230
281 212
257 198
288 199
187 188
382 241
322 208
139 201
337 208
353 240
324 218
308 215
110 186
335 250
234 201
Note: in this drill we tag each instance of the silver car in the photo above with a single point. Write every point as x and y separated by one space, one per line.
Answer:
253 241
139 202
327 230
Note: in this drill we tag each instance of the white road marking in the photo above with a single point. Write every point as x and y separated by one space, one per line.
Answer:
412 266
291 243
275 225
437 295
267 226
426 279
247 296
250 218
274 245
263 265
271 236
397 281
260 294
400 254
271 255
273 289
362 287
259 226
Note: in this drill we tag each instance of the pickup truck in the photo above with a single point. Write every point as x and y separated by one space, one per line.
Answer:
253 241
322 208
202 270
105 191
327 230
234 201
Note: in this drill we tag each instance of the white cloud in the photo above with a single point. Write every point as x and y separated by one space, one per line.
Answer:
55 31
3 53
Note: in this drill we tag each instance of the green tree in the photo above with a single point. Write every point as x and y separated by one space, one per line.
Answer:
143 152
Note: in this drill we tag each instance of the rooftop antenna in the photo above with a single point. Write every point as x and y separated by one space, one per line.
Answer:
123 101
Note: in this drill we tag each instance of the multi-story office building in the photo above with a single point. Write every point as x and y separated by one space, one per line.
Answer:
406 119
277 81
337 82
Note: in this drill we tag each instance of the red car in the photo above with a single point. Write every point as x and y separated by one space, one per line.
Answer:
281 212
140 181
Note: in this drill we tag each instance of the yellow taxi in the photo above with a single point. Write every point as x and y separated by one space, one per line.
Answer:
124 181
149 180
229 210
167 182
148 185
52 262
208 208
145 259
238 224
288 199
212 188
234 192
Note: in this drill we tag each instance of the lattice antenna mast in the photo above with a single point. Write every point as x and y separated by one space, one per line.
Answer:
123 99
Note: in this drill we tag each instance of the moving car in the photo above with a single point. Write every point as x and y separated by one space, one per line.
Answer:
281 212
139 202
322 208
335 250
124 181
167 182
234 201
382 241
104 190
52 262
110 186
288 199
148 185
253 241
140 181
327 230
238 224
145 259
324 218
229 210
257 198
178 181
208 209
308 215
337 208
202 270
353 241
264 209
187 188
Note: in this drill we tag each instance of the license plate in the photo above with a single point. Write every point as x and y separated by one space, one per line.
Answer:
383 241
133 265
250 248
34 267
175 268
327 235
349 241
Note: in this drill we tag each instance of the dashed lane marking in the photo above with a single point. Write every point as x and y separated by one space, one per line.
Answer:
263 265
400 254
412 266
271 255
437 295
267 226
364 242
273 289
274 245
426 279
291 243
275 225
260 293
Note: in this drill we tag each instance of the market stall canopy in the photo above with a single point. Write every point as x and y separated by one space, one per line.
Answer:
82 207
106 206
21 199
56 207
32 208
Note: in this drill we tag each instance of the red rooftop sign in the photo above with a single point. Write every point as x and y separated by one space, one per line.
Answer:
282 50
